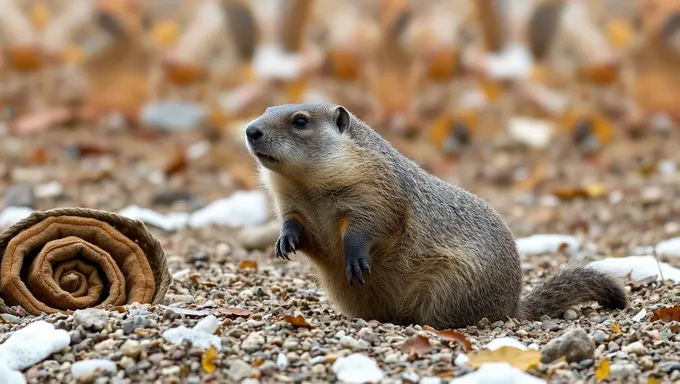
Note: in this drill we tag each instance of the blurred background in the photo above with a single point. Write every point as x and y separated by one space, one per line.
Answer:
107 103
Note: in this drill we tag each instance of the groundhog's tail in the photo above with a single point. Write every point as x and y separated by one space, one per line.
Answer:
571 286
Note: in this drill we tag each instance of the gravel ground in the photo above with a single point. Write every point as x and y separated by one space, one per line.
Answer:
256 303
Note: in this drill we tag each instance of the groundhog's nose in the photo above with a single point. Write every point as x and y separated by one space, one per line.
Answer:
253 132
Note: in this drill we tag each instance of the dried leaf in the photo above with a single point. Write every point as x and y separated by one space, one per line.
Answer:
297 321
40 15
284 294
178 162
615 328
91 149
24 58
516 357
181 74
233 312
569 192
600 74
74 54
602 372
258 362
451 335
165 33
208 359
245 264
667 314
620 33
418 345
653 380
120 309
195 277
38 156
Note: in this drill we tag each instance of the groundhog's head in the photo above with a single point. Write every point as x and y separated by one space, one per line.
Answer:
295 138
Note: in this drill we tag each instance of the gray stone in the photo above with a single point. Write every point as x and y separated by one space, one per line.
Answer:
239 370
600 336
587 363
550 325
10 318
613 347
574 344
268 368
669 366
94 319
19 196
570 315
253 342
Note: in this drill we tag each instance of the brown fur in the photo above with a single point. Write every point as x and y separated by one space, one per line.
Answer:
438 255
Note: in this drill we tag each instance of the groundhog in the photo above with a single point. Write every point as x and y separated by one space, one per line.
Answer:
390 241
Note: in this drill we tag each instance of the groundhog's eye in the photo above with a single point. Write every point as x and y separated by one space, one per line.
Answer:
300 122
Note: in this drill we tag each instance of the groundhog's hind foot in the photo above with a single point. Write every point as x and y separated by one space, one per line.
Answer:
291 239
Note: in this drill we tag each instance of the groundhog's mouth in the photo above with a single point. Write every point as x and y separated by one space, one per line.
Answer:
266 158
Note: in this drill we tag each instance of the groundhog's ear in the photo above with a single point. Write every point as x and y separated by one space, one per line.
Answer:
342 119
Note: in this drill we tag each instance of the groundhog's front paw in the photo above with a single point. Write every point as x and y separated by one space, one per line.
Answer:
286 244
356 266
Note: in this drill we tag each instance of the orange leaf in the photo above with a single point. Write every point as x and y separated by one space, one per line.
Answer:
615 328
451 335
208 360
619 33
667 314
245 264
603 371
40 15
38 156
165 33
178 163
233 312
416 345
297 321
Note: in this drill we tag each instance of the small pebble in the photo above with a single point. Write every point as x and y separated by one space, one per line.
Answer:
570 315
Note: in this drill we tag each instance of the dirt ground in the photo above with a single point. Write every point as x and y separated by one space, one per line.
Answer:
625 199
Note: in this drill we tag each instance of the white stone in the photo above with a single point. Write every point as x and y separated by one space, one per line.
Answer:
639 267
87 367
491 373
550 243
461 360
12 215
281 361
10 376
201 336
33 344
670 247
505 342
357 368
242 209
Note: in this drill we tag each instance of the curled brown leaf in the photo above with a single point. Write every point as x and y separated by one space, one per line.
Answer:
451 335
418 345
297 320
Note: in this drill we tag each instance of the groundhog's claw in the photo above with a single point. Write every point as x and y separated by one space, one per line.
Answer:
356 268
284 245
